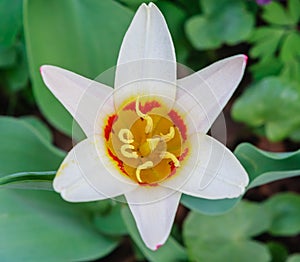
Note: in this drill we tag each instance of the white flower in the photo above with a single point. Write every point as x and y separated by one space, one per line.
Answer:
146 137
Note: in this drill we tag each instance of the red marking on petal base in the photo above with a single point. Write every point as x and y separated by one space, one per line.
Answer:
120 163
108 127
149 105
180 158
177 120
147 184
158 246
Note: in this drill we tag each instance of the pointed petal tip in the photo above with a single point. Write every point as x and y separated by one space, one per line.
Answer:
246 58
158 246
151 4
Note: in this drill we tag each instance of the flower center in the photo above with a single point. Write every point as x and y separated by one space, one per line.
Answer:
146 142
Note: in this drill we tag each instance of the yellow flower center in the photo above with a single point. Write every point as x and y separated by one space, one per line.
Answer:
146 142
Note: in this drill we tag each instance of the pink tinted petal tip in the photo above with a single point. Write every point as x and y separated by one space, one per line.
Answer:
246 58
158 246
41 69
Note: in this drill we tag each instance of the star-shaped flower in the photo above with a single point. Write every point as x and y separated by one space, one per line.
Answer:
146 138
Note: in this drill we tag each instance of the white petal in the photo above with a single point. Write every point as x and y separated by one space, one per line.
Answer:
87 175
82 97
146 65
210 171
205 93
154 216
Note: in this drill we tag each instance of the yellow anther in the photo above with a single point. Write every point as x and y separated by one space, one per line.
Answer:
149 120
125 153
126 136
168 136
146 165
172 157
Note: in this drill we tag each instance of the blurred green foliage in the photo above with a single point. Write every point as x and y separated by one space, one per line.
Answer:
272 101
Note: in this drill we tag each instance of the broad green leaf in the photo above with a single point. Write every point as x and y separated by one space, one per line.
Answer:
24 149
275 13
200 34
264 167
81 36
111 222
294 258
226 237
39 126
285 211
39 226
207 206
294 10
207 31
256 107
10 22
170 251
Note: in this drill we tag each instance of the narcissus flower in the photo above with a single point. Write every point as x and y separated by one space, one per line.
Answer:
146 137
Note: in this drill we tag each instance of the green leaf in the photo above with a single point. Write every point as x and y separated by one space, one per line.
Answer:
267 66
279 252
207 31
256 107
266 41
294 10
28 180
24 149
275 13
200 34
264 167
10 22
111 221
207 206
39 126
17 76
290 47
81 36
170 251
285 210
226 237
39 226
294 258
8 56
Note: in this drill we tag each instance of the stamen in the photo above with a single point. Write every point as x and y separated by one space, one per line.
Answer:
149 120
172 157
168 136
126 136
141 167
125 153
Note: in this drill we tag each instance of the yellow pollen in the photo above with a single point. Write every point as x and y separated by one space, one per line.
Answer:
172 157
168 136
149 120
146 165
126 136
125 153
